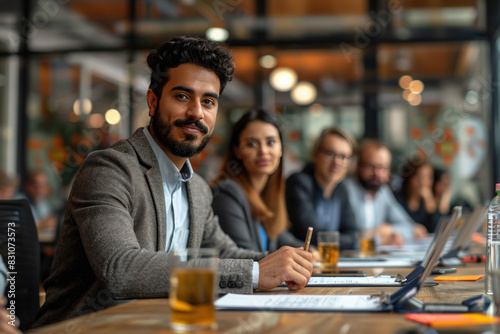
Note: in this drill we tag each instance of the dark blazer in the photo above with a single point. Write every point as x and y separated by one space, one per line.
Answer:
429 220
300 203
112 245
231 205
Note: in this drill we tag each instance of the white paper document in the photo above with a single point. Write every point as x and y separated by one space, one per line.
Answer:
355 281
375 280
295 302
389 263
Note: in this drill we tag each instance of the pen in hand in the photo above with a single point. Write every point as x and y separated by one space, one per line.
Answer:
308 238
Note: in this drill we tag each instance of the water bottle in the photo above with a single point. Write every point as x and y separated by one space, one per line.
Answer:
493 241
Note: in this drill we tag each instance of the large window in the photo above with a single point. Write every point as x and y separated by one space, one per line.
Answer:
435 99
78 103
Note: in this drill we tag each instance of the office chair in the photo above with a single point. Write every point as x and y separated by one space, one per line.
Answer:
19 240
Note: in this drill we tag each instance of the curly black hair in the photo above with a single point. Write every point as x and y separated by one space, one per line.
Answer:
189 50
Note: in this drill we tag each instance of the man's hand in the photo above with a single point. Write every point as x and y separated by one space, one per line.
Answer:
5 318
291 265
388 236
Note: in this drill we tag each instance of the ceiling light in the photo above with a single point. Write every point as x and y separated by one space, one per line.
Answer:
86 106
304 93
404 81
406 94
283 78
416 86
217 34
415 100
268 61
113 116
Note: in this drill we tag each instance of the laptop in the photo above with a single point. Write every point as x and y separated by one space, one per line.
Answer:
455 246
438 244
402 300
462 240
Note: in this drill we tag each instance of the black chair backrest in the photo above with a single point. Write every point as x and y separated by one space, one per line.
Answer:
20 251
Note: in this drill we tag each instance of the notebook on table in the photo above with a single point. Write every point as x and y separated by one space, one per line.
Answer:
401 301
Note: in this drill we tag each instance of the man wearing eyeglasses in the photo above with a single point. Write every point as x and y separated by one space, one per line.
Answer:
316 196
375 206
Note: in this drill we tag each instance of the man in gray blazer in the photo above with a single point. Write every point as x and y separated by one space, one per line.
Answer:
136 201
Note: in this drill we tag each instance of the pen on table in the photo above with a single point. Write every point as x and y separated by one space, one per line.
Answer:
308 238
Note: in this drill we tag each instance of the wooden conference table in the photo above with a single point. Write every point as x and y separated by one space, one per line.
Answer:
152 315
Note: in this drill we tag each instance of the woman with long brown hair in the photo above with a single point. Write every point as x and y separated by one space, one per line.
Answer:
416 195
249 189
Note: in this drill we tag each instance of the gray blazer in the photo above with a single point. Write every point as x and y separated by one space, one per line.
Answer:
112 245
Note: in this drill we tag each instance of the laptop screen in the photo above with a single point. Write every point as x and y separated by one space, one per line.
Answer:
434 252
477 217
400 297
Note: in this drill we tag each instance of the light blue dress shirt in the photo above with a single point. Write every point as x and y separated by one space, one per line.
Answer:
176 198
177 203
327 209
384 208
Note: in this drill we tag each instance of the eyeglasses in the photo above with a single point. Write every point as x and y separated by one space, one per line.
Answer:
329 156
374 167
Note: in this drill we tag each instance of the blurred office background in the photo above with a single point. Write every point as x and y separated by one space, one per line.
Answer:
420 75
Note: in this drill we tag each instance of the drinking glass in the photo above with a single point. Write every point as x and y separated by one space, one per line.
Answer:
366 239
328 246
193 289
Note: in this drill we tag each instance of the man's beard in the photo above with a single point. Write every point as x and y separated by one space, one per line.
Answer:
185 149
369 185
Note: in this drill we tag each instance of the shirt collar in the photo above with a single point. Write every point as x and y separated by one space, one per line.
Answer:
168 169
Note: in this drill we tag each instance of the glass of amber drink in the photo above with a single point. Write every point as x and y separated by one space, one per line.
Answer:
328 246
366 240
192 289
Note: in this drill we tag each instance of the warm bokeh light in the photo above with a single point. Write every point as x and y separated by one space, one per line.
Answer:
113 116
268 61
217 34
416 86
411 97
283 79
304 93
415 100
406 94
96 121
404 81
86 105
